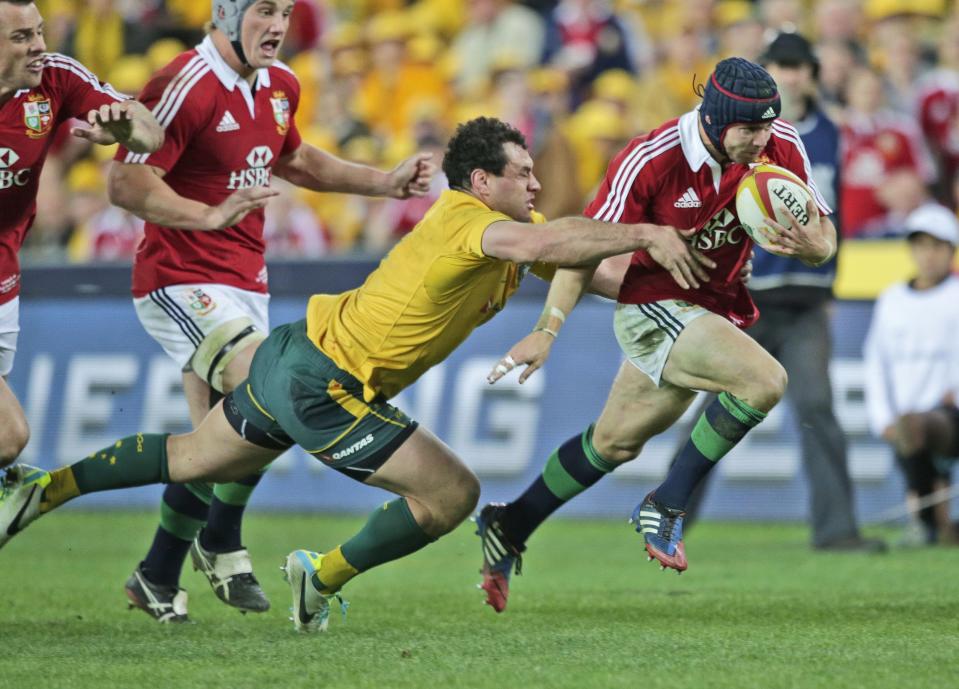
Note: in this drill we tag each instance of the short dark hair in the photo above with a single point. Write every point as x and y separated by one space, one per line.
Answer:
478 145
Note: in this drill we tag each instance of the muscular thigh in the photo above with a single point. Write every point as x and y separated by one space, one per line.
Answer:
636 410
423 468
714 355
295 392
239 368
215 452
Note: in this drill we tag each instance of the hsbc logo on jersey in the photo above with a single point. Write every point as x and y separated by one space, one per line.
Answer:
259 157
258 174
10 178
721 230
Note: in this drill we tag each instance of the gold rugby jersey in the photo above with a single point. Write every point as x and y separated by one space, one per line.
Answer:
426 296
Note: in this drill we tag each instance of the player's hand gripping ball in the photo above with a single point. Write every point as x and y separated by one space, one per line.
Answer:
770 191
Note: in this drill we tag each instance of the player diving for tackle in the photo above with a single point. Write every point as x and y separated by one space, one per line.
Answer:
324 382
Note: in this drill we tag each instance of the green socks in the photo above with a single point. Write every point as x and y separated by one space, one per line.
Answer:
137 460
390 533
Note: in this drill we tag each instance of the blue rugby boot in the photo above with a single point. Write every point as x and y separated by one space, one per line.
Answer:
500 557
662 530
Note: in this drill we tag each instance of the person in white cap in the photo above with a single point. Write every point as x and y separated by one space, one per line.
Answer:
912 368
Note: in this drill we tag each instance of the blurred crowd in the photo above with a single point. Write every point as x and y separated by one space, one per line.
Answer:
382 78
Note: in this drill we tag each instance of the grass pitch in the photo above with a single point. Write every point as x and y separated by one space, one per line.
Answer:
756 609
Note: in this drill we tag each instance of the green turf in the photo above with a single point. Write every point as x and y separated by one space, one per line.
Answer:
756 609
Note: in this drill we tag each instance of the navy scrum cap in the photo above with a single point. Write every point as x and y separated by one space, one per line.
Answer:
738 92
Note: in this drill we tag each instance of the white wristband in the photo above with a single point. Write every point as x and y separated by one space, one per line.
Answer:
832 252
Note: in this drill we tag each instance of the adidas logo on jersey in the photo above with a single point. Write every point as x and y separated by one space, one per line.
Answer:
769 113
688 200
228 123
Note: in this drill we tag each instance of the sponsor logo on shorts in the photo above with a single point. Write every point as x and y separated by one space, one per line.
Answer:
200 302
355 447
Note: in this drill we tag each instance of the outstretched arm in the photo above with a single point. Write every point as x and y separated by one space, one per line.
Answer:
577 241
311 168
565 292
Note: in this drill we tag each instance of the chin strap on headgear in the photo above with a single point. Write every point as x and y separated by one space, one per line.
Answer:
228 17
738 92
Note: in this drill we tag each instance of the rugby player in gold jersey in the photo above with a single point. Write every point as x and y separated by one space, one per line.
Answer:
325 382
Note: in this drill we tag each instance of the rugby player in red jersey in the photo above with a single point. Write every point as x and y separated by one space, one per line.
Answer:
676 340
39 91
325 382
228 107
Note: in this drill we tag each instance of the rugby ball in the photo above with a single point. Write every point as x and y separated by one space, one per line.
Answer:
770 191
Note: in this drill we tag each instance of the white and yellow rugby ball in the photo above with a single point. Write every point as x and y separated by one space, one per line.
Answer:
770 191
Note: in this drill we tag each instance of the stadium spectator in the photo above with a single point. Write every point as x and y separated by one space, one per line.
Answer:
739 29
782 16
495 29
393 219
938 112
394 83
101 232
585 38
881 149
838 20
552 147
912 365
668 87
837 60
291 230
596 131
899 63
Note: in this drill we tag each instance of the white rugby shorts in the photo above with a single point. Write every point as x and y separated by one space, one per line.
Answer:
646 332
9 330
178 317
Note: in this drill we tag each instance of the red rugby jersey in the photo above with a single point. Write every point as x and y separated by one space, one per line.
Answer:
668 177
221 136
938 108
874 146
27 120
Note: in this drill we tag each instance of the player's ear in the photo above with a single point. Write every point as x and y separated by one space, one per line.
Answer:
479 181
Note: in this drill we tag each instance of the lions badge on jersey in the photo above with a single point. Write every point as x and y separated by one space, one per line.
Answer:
38 116
281 111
